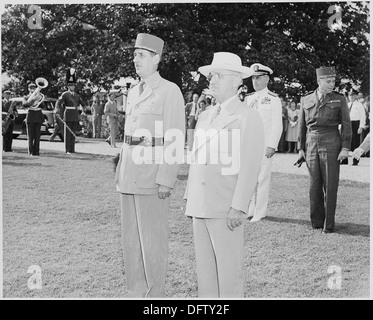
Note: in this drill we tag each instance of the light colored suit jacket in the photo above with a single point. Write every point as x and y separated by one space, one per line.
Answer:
224 175
157 110
270 109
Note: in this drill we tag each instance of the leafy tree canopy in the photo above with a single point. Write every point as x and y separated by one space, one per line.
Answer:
291 38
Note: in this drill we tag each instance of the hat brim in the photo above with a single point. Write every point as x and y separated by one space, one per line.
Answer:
246 72
261 73
144 48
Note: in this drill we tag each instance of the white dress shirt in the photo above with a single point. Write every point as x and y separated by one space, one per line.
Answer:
357 112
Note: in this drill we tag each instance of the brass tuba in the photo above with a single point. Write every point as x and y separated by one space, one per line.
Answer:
37 97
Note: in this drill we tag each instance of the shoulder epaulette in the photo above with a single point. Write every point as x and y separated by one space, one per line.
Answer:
336 92
272 94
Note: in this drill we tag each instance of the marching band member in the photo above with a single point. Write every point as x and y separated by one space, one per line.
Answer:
67 110
9 107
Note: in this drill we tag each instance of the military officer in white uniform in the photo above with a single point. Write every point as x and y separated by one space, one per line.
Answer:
154 107
269 106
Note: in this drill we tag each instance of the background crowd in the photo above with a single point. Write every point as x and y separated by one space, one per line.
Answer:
98 123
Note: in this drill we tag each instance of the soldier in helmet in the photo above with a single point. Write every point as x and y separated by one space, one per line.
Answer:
323 145
67 109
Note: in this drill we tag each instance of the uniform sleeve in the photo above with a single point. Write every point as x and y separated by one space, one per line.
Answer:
302 128
173 123
276 129
346 131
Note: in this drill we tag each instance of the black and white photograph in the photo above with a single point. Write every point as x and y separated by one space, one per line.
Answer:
190 151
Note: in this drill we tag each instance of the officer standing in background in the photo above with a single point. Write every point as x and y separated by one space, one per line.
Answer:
67 109
323 146
10 108
357 117
154 107
34 119
269 106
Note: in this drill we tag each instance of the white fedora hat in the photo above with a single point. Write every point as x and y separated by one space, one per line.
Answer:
226 61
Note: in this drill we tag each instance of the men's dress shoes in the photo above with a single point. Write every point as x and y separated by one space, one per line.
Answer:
317 227
328 231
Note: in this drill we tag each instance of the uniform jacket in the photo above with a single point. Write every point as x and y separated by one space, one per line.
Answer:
68 99
215 184
332 112
158 110
34 115
269 106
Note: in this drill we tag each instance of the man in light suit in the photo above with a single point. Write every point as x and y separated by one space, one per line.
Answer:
226 159
269 106
154 107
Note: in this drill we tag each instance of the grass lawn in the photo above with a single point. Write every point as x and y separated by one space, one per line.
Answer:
62 213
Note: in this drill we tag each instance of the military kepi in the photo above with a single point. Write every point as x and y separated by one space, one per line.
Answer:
149 42
325 72
70 76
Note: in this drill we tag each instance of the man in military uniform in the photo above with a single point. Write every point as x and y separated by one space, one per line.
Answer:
154 107
10 108
34 119
323 146
67 109
269 106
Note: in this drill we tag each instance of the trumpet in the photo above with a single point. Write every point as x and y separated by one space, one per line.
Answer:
37 97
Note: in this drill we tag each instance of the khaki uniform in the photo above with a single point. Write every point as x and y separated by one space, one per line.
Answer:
159 108
322 142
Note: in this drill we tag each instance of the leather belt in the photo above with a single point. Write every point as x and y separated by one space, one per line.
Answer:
146 141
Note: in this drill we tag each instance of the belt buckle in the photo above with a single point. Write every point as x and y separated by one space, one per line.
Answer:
147 141
128 140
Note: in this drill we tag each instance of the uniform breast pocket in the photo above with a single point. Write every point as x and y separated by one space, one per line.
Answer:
309 110
151 118
331 110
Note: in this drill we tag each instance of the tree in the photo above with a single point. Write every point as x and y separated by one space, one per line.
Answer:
292 38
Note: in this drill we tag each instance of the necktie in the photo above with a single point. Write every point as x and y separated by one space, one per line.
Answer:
322 98
351 103
218 110
141 88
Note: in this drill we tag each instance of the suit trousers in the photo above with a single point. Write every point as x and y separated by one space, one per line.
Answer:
219 258
190 138
69 138
259 202
33 136
97 121
145 244
322 150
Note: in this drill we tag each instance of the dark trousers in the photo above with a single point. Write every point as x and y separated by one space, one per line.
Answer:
8 138
355 141
323 148
33 136
69 137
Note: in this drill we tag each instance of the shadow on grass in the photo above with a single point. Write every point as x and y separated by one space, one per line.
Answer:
22 155
351 229
21 164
